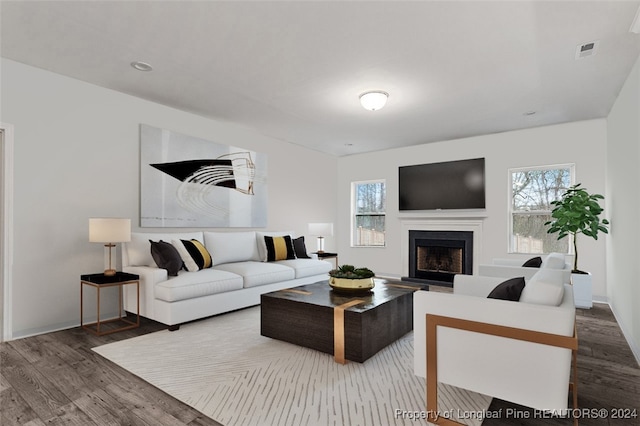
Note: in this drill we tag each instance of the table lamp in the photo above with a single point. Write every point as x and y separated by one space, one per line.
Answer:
109 231
321 230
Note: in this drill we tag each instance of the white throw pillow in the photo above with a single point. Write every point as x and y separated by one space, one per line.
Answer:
553 261
230 247
546 287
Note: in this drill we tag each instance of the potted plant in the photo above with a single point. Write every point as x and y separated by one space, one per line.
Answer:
348 278
578 212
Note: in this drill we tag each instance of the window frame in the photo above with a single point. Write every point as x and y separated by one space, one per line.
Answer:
354 213
511 212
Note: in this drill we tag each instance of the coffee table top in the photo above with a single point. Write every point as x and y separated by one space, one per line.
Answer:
322 294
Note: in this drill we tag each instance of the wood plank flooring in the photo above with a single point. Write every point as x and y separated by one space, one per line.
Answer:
56 379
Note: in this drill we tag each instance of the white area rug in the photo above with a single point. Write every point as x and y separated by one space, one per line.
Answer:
224 368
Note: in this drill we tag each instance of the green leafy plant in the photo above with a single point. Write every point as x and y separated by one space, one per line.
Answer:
351 272
577 212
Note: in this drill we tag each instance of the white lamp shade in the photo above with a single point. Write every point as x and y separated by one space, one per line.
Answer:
321 229
373 101
109 230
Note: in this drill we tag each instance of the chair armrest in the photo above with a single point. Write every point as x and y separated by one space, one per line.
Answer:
507 262
474 285
505 271
547 319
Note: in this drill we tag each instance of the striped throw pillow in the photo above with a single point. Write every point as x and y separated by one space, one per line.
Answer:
194 254
279 248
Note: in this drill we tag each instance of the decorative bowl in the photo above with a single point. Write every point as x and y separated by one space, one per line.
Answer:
347 285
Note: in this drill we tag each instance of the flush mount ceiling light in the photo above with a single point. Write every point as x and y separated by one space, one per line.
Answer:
141 66
373 100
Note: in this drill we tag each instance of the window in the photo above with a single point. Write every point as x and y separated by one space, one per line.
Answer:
532 191
368 206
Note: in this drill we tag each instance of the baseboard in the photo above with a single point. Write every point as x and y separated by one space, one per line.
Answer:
627 335
21 334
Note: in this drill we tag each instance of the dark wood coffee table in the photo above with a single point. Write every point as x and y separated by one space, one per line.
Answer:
349 326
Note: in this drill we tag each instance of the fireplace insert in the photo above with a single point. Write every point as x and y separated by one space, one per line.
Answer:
435 257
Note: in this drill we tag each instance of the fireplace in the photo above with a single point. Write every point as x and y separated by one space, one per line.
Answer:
435 257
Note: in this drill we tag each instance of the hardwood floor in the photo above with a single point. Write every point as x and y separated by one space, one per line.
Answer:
57 379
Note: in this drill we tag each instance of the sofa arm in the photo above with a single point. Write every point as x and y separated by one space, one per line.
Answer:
149 277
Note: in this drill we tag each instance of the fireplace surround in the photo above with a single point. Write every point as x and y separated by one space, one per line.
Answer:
442 221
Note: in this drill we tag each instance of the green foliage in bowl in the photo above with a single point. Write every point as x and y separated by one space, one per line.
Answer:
350 272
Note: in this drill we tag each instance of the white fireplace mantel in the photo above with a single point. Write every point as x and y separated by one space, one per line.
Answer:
440 224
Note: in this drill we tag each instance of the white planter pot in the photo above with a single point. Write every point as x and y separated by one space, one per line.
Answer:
582 290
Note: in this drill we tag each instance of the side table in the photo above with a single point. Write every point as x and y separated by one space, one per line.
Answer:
100 281
326 255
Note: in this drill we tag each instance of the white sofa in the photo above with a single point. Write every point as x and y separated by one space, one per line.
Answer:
508 268
531 374
240 274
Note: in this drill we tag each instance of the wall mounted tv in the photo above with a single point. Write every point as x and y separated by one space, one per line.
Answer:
448 185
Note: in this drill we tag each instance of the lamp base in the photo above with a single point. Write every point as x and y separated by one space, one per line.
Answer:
110 272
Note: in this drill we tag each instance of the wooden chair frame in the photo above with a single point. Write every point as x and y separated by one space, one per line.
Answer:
435 321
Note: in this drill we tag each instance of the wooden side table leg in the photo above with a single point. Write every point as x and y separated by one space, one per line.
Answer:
119 302
138 302
81 305
98 306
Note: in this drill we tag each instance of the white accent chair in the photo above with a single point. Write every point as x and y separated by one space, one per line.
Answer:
508 268
502 357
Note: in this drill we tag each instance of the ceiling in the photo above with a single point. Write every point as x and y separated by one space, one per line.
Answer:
294 70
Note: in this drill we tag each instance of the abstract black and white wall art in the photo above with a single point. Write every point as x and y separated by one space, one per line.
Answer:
191 182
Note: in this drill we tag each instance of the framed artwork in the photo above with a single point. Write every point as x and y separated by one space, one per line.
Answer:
191 182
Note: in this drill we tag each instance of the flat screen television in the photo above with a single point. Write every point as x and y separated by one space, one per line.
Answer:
447 185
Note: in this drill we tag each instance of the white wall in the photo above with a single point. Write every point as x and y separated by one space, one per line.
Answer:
582 143
77 156
623 180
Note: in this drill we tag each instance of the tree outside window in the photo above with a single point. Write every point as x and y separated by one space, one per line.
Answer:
369 203
532 191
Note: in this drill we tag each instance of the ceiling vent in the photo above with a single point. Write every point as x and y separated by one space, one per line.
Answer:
587 49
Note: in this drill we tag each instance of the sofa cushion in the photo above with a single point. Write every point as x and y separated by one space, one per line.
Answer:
307 267
300 248
546 287
188 285
166 257
139 248
553 261
194 255
258 273
228 247
279 248
262 246
510 289
534 262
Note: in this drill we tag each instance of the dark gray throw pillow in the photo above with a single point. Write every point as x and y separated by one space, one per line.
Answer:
534 262
166 257
300 248
510 289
